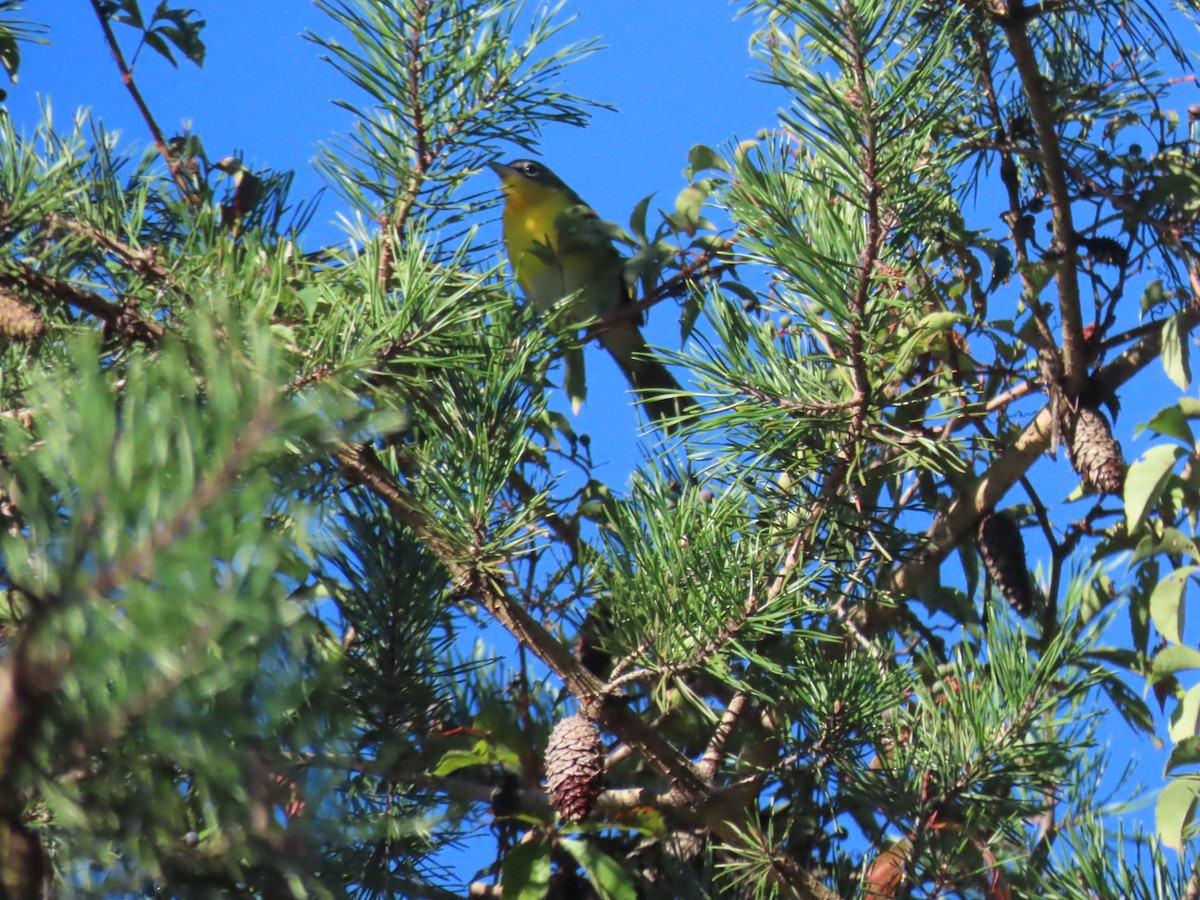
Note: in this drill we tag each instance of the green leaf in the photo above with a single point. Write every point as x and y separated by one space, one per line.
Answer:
1132 708
1173 541
1144 481
1166 603
1185 753
1175 808
10 53
156 43
736 287
610 879
1184 717
181 29
743 147
525 872
1175 354
688 205
187 40
309 297
1176 542
702 158
453 760
1176 658
133 13
1171 422
637 219
687 319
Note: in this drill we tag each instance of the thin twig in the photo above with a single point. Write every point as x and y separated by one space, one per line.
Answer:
160 142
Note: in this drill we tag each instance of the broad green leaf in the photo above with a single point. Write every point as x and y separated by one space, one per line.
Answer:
132 13
1175 808
637 219
1184 717
1175 354
1185 753
10 54
525 872
1171 422
158 44
1145 479
309 297
701 158
688 205
610 879
747 294
1175 658
1172 541
687 319
1117 656
183 32
708 243
1132 708
453 760
1176 542
1166 603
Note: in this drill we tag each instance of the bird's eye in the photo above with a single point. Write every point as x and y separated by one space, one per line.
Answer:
531 169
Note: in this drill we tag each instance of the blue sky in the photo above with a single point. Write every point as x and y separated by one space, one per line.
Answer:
265 95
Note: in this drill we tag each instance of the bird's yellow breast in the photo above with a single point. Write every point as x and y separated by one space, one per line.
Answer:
530 214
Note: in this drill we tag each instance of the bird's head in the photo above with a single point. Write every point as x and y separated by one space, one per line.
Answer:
528 183
526 172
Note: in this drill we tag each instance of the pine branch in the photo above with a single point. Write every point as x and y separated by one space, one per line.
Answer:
689 788
120 320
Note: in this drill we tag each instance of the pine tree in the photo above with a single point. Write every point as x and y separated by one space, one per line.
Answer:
258 497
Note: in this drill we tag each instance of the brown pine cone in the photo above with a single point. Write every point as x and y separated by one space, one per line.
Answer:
574 763
1003 552
1093 451
18 321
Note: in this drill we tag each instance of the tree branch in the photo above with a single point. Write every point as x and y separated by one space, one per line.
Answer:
160 142
1012 463
121 320
1074 351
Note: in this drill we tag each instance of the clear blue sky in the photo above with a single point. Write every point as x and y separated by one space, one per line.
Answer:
678 72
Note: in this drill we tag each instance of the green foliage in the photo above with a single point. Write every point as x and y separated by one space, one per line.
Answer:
14 32
302 565
166 27
440 103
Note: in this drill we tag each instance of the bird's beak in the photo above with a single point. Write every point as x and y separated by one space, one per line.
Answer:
505 173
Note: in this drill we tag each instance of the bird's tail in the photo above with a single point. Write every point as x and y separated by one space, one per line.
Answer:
660 394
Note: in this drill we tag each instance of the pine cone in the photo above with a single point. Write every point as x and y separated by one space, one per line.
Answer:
18 322
574 762
1003 552
1093 450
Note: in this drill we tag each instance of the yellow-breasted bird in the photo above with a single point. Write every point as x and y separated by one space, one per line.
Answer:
559 247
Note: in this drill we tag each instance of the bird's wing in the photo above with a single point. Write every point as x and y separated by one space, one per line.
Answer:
580 230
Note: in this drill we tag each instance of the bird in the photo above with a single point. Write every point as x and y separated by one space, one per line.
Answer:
559 247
